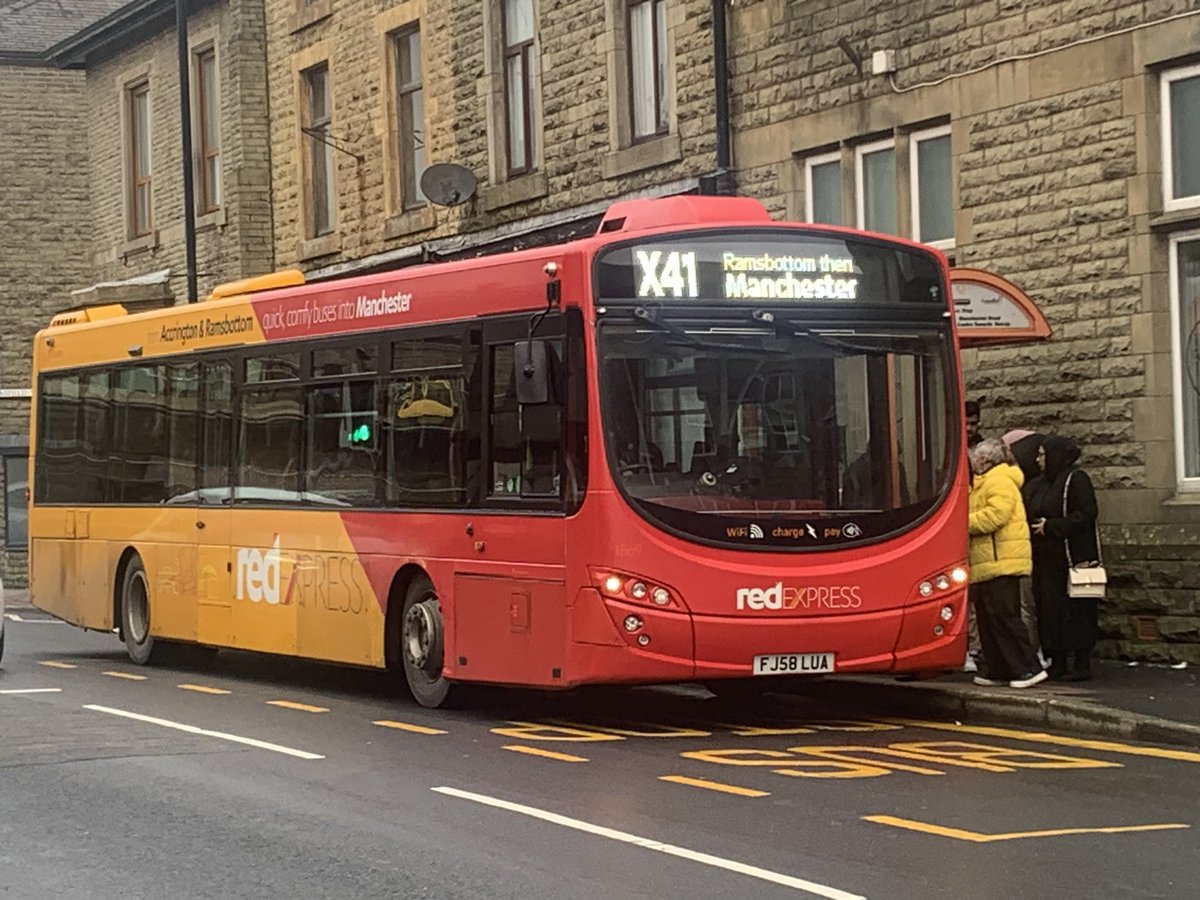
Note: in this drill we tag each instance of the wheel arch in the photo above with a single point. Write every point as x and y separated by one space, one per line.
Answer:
127 555
395 609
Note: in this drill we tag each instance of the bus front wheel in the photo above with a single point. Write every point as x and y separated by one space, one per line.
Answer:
135 613
422 641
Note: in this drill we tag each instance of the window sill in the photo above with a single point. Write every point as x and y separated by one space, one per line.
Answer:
409 222
520 190
325 245
1176 218
214 219
658 152
139 244
309 14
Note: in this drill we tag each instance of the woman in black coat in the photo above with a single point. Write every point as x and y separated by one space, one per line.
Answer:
1067 626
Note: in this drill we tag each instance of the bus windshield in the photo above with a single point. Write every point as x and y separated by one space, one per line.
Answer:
779 436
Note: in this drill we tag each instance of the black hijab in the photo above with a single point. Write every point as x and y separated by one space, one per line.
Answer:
1025 450
1061 454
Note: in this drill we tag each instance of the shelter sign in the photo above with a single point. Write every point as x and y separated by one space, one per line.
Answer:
992 310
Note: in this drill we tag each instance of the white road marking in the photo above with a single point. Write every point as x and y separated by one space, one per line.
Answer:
192 729
32 691
718 862
16 617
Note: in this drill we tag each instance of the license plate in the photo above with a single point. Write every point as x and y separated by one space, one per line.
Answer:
793 663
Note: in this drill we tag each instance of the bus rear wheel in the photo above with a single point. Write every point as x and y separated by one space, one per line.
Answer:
135 614
422 644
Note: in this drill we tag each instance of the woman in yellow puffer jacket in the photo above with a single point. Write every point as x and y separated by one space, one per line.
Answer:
999 555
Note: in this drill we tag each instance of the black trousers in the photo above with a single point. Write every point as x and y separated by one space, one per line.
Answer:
1007 652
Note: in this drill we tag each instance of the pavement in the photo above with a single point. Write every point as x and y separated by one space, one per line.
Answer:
1142 702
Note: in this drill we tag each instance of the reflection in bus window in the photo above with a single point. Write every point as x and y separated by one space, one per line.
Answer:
526 441
426 438
343 441
271 431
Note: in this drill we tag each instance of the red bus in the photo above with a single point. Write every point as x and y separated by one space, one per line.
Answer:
698 446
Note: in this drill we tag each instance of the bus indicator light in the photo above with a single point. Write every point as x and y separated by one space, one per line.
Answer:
947 613
662 596
638 590
633 623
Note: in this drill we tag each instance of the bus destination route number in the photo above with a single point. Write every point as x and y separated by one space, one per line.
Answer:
793 663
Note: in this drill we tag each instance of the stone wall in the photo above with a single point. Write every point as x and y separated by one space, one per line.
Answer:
580 160
233 242
1056 181
44 216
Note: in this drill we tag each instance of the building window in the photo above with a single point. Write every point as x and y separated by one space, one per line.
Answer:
208 129
16 502
647 32
410 116
317 121
1181 137
518 84
1185 307
875 186
137 100
823 189
932 187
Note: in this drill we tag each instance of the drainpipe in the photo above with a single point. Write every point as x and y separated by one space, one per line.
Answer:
722 178
185 114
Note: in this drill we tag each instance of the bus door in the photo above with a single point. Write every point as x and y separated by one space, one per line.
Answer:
510 617
214 511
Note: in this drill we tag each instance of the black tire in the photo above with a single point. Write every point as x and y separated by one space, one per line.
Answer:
135 614
422 644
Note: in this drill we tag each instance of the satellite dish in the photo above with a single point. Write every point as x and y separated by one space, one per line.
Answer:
448 184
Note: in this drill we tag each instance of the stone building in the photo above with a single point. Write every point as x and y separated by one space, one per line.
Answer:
43 215
1050 141
93 167
1056 144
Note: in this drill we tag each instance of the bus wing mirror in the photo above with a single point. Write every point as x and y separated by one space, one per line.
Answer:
532 372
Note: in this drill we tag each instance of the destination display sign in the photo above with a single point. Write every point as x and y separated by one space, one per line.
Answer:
757 268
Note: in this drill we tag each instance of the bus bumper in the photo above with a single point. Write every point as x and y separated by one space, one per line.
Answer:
620 642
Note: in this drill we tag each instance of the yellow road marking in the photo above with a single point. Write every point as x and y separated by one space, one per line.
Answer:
127 675
303 707
53 664
714 786
1040 737
405 726
976 837
202 689
549 754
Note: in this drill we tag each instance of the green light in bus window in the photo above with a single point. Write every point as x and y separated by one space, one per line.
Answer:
361 434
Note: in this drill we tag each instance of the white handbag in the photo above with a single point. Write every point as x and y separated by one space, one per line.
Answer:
1085 580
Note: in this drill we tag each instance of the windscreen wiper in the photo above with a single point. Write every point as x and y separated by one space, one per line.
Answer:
785 328
643 314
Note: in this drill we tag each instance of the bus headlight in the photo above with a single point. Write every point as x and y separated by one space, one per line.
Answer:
633 623
632 588
959 575
947 613
925 588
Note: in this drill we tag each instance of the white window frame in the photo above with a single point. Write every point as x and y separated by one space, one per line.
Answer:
809 164
914 182
1184 483
860 208
1168 178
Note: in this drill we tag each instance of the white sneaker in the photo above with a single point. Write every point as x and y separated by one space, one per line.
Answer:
1042 661
988 682
1029 680
970 665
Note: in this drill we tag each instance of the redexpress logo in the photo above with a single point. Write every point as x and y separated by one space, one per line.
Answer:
258 574
781 596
